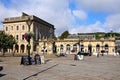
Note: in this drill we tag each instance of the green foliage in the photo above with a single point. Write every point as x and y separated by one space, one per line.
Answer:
64 35
112 34
106 35
6 41
97 36
55 38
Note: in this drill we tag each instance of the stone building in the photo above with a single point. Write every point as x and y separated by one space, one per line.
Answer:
17 27
84 42
77 44
117 44
43 41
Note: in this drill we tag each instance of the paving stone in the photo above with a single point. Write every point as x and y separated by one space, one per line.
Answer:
63 68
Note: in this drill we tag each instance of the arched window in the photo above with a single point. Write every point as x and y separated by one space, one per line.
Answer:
106 48
67 47
16 37
90 48
22 37
97 48
17 27
11 27
16 48
23 27
22 48
61 48
75 47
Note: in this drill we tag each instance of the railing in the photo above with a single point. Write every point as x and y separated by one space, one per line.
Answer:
16 18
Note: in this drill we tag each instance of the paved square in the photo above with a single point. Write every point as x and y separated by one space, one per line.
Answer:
63 68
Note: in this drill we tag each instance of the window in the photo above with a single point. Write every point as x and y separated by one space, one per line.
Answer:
23 27
17 27
16 37
22 37
6 28
11 27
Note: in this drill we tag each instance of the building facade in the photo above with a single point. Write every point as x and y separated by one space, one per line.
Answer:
43 41
117 44
76 44
17 27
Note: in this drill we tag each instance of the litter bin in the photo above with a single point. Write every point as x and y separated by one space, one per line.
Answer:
37 59
25 60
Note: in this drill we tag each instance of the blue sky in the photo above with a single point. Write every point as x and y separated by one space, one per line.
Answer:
76 16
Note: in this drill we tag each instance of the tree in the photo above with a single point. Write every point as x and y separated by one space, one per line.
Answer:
55 38
64 35
97 35
6 41
113 34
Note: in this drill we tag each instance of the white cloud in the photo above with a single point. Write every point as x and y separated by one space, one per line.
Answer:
53 11
96 27
113 22
109 6
62 17
80 14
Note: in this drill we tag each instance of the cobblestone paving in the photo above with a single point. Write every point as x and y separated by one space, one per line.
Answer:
62 68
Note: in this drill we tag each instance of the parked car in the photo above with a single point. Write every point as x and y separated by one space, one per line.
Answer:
84 53
103 52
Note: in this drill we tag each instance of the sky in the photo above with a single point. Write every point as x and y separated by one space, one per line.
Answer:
76 16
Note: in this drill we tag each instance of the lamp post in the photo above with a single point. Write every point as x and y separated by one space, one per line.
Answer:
29 22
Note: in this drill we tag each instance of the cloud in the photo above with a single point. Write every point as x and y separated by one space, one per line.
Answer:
109 6
63 17
96 27
6 12
113 22
52 11
80 14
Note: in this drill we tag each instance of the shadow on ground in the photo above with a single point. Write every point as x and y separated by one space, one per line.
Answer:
40 72
1 75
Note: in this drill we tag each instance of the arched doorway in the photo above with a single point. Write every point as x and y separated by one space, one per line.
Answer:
106 48
90 48
61 48
75 47
22 48
97 48
68 49
16 48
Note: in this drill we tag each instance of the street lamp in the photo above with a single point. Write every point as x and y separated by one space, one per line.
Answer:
29 22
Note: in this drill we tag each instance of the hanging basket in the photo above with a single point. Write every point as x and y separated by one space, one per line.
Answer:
28 36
